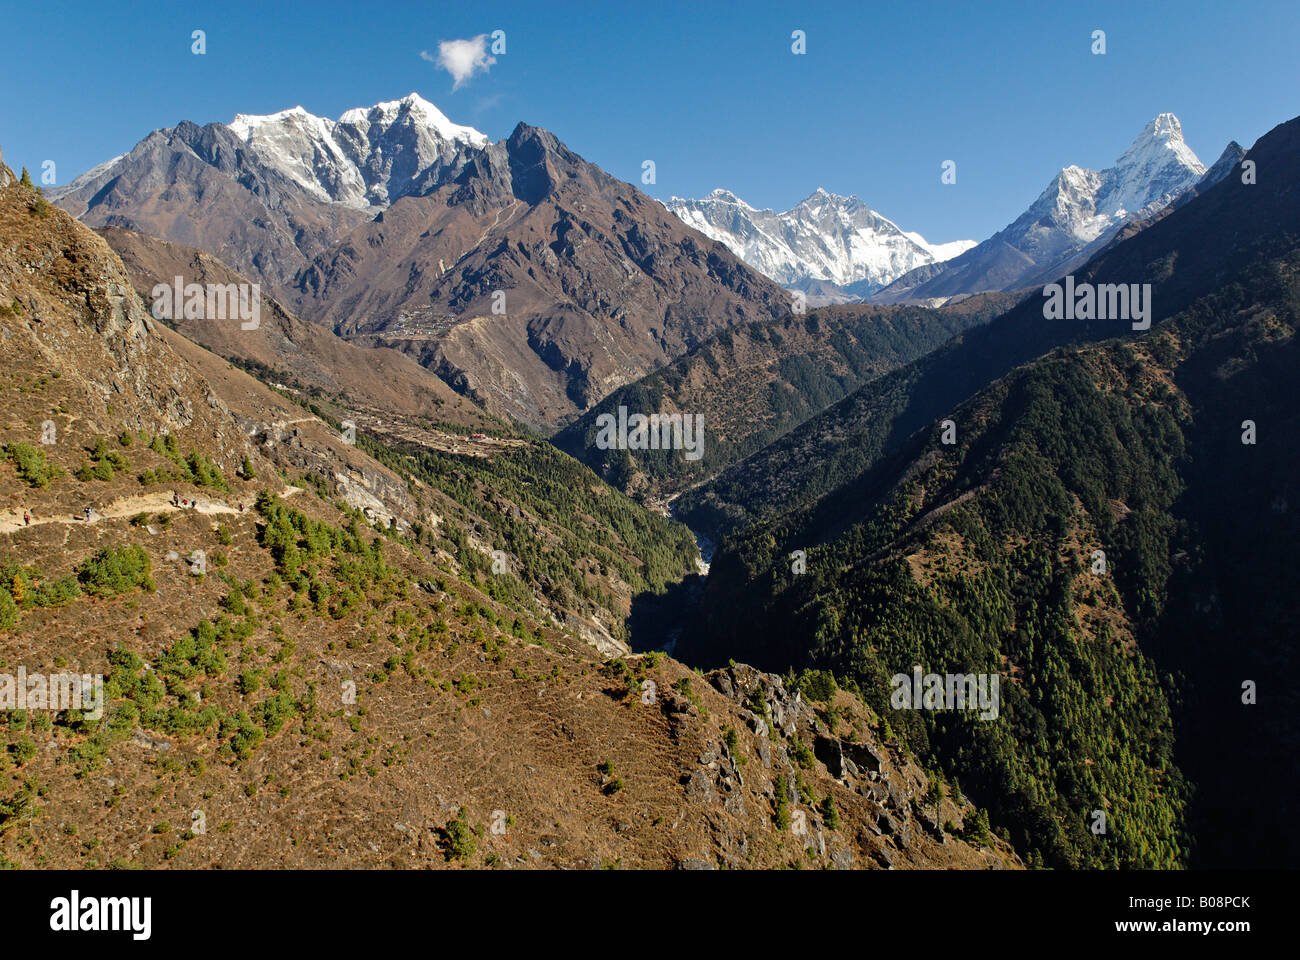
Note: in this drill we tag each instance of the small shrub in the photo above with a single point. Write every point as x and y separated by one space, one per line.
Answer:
781 816
803 755
460 838
8 610
116 570
830 814
33 467
23 751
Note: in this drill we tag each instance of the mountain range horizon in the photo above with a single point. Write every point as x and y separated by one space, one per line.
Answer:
842 260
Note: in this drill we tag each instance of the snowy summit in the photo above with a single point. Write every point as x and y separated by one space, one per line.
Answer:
826 237
367 158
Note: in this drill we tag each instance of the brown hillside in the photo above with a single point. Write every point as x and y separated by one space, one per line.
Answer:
480 733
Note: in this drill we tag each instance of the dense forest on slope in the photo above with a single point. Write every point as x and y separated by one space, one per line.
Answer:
1120 683
757 381
978 559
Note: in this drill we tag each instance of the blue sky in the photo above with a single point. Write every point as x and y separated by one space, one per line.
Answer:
710 91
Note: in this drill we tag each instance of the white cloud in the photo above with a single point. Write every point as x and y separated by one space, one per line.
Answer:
462 58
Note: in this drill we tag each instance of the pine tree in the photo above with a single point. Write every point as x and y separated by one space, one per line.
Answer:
8 610
26 180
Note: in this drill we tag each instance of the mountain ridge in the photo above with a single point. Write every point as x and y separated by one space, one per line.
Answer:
1078 209
534 281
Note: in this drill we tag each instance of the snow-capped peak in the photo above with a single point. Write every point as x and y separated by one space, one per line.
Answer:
722 195
421 112
1165 126
1081 205
245 124
1159 145
823 237
821 197
368 157
1156 167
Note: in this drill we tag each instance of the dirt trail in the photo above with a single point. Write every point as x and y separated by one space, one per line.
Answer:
11 520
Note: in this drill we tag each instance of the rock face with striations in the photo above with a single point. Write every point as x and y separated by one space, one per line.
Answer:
303 355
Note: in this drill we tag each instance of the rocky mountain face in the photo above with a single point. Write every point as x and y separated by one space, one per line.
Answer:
534 282
824 238
1228 161
303 357
73 312
320 673
202 187
70 308
1079 209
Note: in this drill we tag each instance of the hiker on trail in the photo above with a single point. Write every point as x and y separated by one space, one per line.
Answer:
175 499
88 514
27 518
241 508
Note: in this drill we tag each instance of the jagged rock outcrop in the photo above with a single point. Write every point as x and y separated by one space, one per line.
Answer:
887 782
